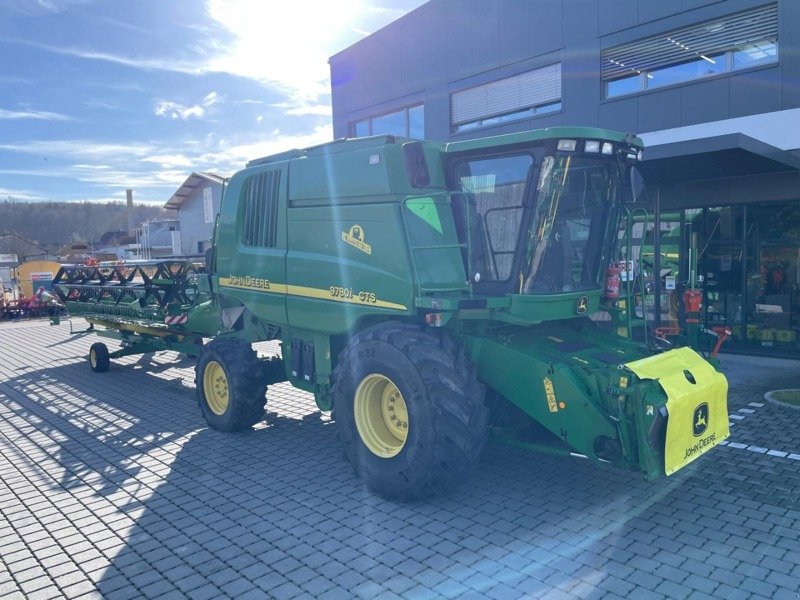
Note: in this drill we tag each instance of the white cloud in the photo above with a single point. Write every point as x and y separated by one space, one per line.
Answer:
146 63
169 160
84 149
153 169
39 7
227 155
175 110
211 99
283 45
303 108
40 115
21 195
102 105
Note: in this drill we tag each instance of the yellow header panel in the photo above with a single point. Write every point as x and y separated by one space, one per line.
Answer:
697 403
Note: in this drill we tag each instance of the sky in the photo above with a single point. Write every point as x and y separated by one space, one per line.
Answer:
97 96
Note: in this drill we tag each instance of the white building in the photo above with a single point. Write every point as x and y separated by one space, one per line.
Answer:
197 203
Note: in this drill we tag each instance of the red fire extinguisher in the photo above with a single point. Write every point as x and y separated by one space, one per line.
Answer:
612 281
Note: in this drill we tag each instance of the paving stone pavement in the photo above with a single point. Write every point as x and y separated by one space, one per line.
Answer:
112 486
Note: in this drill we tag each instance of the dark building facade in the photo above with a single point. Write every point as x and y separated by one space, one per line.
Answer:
713 88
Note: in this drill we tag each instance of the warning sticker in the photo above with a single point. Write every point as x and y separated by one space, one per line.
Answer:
550 393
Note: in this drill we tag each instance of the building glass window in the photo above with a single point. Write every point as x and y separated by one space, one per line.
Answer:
361 128
391 124
737 41
407 122
416 122
519 97
624 85
759 53
686 71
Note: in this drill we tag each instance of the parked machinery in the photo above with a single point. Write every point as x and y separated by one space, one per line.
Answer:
424 292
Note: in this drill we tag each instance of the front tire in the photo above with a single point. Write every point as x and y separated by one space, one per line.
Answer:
230 389
409 410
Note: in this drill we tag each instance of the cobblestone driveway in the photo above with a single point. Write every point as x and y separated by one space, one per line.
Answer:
111 485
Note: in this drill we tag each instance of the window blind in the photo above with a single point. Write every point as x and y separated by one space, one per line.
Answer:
688 43
526 90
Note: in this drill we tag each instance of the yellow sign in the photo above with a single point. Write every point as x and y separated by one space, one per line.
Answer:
550 392
355 237
697 403
583 304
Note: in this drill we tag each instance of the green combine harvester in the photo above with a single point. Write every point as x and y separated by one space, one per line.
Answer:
428 294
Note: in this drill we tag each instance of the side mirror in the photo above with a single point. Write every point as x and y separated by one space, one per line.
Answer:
416 165
638 191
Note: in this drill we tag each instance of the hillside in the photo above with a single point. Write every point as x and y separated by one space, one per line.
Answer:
58 223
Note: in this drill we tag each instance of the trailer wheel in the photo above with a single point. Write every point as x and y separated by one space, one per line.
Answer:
230 387
98 357
409 410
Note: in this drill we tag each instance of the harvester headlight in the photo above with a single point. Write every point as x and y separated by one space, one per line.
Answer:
608 148
477 277
592 146
567 145
633 154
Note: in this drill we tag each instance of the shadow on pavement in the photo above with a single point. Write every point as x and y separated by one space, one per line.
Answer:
277 510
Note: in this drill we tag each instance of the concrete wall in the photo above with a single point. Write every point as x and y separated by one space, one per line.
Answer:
191 214
448 45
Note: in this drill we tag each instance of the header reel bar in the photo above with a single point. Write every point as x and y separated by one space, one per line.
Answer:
127 289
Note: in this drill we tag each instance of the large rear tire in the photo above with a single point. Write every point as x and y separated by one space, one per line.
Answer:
231 390
409 410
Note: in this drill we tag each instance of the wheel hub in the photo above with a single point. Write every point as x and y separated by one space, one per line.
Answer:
381 415
93 358
215 386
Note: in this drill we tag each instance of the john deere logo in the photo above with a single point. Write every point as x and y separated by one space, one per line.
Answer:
355 237
583 304
700 420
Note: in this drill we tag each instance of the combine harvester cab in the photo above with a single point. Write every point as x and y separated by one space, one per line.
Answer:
541 222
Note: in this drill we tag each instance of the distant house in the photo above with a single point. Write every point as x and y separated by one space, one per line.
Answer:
22 247
75 252
159 238
113 237
197 204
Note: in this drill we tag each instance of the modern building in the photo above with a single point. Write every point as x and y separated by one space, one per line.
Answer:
712 86
197 203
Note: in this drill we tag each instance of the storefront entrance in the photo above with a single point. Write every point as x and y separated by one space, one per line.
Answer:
728 212
749 263
748 267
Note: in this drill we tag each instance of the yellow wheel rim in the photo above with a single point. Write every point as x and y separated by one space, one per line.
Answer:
93 358
215 386
381 415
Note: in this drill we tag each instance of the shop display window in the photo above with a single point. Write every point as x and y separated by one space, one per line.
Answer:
752 273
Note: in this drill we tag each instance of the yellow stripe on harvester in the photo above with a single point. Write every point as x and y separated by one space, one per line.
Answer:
335 294
698 412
